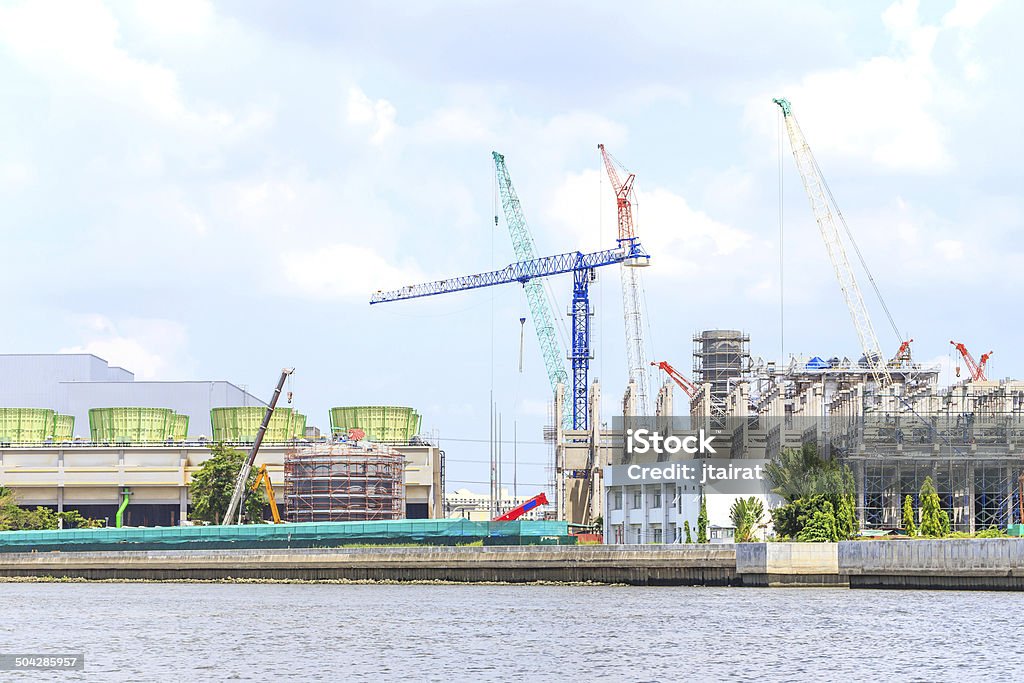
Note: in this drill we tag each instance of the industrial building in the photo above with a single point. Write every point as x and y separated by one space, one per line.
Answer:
146 440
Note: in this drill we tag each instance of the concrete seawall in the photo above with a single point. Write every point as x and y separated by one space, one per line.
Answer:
975 563
979 564
709 565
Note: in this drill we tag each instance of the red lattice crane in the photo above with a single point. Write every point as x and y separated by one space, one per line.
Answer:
636 356
977 369
686 385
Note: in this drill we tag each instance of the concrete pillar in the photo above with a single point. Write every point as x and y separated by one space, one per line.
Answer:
858 475
644 526
182 504
666 509
969 512
60 499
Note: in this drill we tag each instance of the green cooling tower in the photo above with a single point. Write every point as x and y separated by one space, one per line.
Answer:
381 423
299 425
240 424
63 427
26 425
180 429
132 425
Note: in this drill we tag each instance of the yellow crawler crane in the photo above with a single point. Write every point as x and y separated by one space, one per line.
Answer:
263 477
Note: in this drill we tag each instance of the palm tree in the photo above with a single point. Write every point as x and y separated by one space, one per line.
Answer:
746 515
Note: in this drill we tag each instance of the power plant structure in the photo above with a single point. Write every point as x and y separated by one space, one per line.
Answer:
147 455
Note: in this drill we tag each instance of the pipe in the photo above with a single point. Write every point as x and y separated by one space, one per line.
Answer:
119 518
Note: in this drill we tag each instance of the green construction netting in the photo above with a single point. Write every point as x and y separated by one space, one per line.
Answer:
302 535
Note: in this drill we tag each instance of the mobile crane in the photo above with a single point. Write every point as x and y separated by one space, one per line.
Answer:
246 469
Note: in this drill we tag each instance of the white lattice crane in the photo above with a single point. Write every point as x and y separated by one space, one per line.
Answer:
636 356
816 189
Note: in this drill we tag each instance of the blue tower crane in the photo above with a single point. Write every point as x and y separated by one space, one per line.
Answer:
629 253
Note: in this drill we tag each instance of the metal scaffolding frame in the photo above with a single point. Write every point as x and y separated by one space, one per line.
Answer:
342 482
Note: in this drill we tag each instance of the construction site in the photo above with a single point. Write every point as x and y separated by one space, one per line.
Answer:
882 413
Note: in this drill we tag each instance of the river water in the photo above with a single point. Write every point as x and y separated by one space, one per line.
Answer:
306 632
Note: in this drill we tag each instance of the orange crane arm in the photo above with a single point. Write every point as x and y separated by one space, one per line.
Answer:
686 385
263 477
976 369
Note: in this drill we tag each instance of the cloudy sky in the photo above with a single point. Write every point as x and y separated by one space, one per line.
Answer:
212 190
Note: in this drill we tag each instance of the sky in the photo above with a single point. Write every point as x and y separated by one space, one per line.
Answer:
198 190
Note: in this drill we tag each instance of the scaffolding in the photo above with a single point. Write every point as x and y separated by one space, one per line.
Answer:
342 482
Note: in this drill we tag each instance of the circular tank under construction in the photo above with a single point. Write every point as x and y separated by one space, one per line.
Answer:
386 424
35 425
136 425
240 424
338 482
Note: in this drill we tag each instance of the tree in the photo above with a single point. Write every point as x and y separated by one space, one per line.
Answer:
806 481
746 515
821 527
934 520
213 484
15 518
702 520
686 528
908 516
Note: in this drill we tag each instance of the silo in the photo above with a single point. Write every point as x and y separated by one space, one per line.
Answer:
63 427
26 425
339 482
242 423
131 425
388 424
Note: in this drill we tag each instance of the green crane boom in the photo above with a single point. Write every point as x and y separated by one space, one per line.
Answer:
536 296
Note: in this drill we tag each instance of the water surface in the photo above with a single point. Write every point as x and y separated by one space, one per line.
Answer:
271 632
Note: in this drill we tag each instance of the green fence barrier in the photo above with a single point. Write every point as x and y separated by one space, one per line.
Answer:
305 535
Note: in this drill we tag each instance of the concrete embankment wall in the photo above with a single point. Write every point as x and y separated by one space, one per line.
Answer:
956 564
964 563
711 565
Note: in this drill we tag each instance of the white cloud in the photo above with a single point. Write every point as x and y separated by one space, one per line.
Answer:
950 250
345 271
884 110
76 47
682 240
377 115
152 348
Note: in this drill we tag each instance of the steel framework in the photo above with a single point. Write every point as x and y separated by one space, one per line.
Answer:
536 297
582 266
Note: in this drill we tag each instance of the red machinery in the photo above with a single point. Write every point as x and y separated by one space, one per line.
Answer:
686 385
976 369
517 512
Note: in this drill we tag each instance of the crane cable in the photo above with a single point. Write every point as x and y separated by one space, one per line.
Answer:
860 256
782 260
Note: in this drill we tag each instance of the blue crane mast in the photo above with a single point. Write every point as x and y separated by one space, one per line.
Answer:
582 266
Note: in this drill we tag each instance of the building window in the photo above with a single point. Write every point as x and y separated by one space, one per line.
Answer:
637 500
656 499
656 534
617 501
